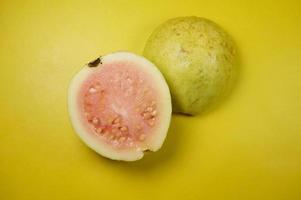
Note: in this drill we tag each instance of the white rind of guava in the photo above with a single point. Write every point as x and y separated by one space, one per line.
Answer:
157 137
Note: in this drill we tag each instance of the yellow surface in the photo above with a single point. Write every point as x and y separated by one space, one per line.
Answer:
247 148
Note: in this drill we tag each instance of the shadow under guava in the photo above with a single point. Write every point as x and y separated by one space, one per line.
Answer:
179 130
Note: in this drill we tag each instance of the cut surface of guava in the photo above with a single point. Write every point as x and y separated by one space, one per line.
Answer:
197 59
120 106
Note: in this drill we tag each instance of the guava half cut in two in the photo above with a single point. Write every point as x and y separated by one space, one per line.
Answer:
120 106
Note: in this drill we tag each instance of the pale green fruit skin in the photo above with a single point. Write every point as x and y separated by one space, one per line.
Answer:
198 60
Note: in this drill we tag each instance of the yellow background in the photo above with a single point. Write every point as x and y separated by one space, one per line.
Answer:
249 147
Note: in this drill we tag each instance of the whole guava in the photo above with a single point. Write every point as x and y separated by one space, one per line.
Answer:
197 58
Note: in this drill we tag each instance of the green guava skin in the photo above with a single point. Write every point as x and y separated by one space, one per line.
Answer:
197 59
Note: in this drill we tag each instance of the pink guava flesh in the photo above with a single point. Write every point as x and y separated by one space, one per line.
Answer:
118 102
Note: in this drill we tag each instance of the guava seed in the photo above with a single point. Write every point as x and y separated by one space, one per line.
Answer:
95 120
92 90
123 128
99 130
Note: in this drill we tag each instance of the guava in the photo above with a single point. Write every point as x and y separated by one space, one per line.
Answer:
120 106
197 59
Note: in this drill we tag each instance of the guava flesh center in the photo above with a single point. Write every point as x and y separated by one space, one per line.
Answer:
118 103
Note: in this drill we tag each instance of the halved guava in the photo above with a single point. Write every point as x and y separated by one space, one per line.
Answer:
197 58
120 106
